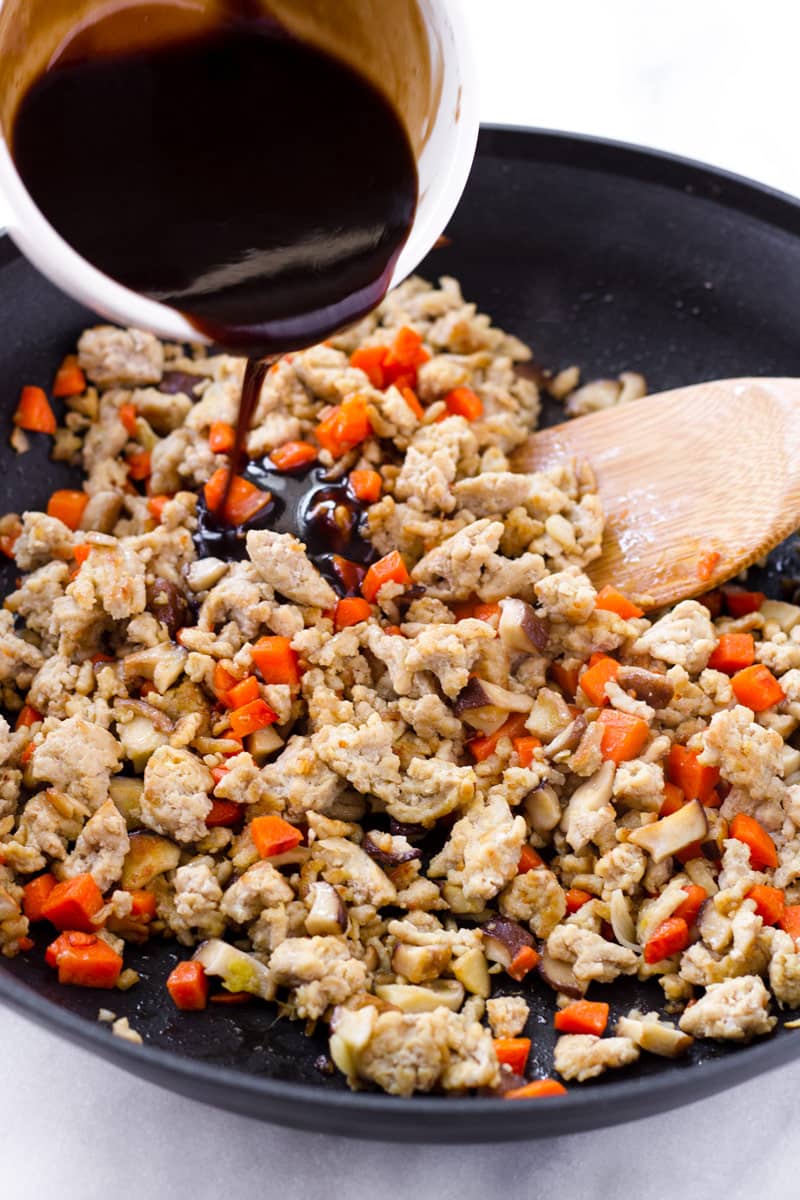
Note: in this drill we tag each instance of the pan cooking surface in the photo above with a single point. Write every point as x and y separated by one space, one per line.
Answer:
602 255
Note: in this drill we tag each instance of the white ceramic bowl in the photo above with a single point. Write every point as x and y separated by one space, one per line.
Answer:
443 166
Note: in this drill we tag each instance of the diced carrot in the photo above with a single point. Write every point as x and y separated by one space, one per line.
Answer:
345 427
688 909
712 601
350 573
594 679
370 360
706 564
740 603
566 678
292 455
351 611
221 437
103 658
610 600
693 850
231 998
623 736
463 402
27 716
276 660
366 485
695 780
790 920
484 746
769 901
81 553
536 1090
406 354
143 905
34 895
68 506
526 748
155 505
670 937
93 965
529 860
393 630
73 903
757 688
70 379
187 984
25 944
242 693
714 800
223 680
673 800
522 963
139 465
513 1052
219 773
72 937
583 1016
129 416
389 569
733 652
411 399
249 718
272 835
244 501
224 812
486 612
576 898
27 753
762 848
34 412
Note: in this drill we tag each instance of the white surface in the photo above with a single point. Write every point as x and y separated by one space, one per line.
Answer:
710 79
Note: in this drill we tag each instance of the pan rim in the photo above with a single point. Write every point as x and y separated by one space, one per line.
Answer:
425 1118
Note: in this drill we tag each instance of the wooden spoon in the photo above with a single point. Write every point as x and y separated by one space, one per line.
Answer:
696 483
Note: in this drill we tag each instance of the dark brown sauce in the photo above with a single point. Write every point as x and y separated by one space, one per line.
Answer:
259 186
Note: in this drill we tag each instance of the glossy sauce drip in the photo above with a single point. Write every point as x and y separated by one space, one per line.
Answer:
322 513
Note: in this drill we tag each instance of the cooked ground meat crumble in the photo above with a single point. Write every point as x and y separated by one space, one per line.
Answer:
374 755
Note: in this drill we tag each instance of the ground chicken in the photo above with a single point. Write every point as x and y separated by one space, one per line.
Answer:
101 847
536 897
362 756
120 357
483 850
176 799
197 897
281 561
748 755
78 757
684 637
591 957
508 1015
431 788
734 1010
260 887
321 970
360 878
583 1056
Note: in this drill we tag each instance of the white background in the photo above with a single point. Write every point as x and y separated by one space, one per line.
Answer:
712 79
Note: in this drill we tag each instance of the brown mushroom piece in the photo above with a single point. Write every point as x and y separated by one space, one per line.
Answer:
654 689
559 975
388 858
175 383
485 706
327 913
503 939
168 604
148 856
521 628
675 832
420 964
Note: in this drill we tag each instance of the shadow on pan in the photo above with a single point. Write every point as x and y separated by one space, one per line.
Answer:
599 254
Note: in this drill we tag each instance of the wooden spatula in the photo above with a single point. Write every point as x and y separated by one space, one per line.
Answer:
696 483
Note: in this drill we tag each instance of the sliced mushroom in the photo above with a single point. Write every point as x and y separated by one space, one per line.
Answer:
351 1030
327 913
549 716
655 690
411 998
140 708
521 628
203 573
239 972
569 739
148 857
168 604
175 383
485 706
140 739
388 855
589 799
559 975
412 833
472 970
675 832
653 1035
127 794
419 964
163 664
622 921
503 939
263 743
543 809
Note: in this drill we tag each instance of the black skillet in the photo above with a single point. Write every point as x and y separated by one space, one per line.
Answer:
599 254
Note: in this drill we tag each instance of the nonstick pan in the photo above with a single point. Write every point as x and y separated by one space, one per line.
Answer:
598 254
